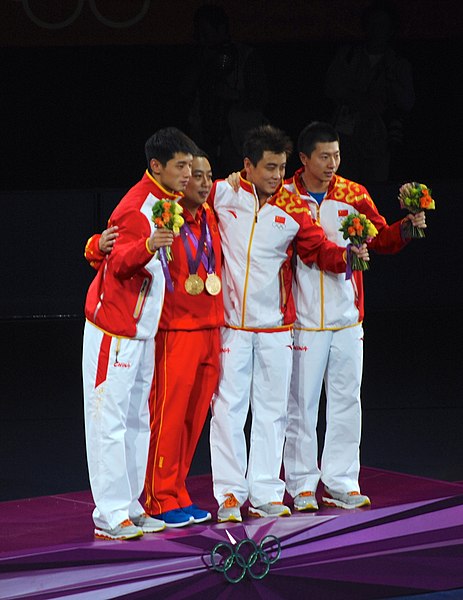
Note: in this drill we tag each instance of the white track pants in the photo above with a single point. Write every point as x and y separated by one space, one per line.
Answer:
117 376
255 371
335 357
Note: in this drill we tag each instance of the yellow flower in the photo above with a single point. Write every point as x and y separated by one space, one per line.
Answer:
371 229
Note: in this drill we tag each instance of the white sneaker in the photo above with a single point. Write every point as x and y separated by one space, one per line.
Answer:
229 510
124 531
148 524
346 500
305 501
271 509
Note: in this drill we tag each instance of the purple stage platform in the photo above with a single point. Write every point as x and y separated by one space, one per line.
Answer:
408 544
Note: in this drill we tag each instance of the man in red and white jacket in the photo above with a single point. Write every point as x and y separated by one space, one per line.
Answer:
260 226
122 310
328 333
187 352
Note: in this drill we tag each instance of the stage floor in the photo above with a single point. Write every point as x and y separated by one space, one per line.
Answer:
408 544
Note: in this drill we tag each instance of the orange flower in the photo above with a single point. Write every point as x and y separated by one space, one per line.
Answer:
159 222
351 231
166 206
425 200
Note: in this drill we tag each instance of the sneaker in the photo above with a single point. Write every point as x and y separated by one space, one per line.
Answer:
175 518
229 510
271 509
345 500
199 515
124 531
147 524
305 501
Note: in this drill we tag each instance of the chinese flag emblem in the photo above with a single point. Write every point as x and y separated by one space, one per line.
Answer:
280 219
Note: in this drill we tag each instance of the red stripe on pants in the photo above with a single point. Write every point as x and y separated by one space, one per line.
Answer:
103 360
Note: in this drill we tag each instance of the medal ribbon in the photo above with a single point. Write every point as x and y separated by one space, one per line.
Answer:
165 269
349 262
193 264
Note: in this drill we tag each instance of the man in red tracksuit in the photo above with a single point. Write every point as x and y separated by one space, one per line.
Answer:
187 353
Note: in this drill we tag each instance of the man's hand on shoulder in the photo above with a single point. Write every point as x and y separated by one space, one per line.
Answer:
108 239
233 180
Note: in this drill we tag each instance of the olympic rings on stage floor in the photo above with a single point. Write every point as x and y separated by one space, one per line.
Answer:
235 560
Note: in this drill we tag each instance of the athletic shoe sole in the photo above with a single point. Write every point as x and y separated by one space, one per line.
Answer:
308 508
101 535
338 504
153 529
201 520
255 512
230 519
182 524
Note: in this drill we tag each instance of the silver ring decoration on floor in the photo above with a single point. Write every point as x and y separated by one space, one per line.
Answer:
235 560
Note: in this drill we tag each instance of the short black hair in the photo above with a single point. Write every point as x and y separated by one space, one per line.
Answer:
315 133
265 138
201 154
165 143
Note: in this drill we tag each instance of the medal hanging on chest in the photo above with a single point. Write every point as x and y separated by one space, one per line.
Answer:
213 284
194 285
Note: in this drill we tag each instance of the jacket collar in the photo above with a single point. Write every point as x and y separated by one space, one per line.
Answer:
159 191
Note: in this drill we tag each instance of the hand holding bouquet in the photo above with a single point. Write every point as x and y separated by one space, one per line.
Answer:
415 197
357 229
168 214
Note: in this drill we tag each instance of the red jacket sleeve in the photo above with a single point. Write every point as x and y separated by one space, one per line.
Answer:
390 238
130 254
313 246
92 251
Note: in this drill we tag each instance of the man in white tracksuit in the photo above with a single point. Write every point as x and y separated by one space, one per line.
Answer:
261 226
328 333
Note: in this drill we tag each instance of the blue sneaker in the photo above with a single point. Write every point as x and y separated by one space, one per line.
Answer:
199 515
175 518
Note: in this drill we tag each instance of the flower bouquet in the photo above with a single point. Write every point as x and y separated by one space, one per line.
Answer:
357 229
415 197
168 213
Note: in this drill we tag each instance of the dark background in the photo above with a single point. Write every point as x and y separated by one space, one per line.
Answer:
77 105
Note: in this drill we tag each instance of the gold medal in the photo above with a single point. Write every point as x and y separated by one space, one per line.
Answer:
194 285
213 284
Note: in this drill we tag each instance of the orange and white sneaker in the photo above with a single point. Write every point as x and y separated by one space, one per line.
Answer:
305 501
124 531
229 510
347 500
271 509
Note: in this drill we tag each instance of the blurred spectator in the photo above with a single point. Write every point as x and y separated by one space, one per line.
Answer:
372 88
226 90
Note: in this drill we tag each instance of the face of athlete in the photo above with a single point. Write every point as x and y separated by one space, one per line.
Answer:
267 174
199 184
321 165
175 174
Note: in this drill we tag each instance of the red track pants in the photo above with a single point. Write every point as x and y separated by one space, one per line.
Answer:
186 376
